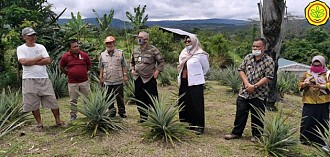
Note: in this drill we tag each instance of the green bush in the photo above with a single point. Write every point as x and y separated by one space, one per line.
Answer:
230 77
97 116
214 74
11 111
162 122
278 136
164 79
164 42
59 80
129 89
172 71
287 83
168 75
326 139
8 78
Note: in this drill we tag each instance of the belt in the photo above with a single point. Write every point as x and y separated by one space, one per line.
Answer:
34 78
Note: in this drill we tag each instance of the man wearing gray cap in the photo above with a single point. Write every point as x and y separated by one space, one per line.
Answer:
36 87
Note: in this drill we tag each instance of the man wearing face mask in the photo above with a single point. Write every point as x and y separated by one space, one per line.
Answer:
146 64
256 70
112 67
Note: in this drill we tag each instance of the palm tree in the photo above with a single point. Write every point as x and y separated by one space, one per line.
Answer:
104 23
137 21
77 25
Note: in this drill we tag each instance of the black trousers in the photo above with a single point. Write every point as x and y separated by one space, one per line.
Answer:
193 102
243 106
119 92
313 116
140 94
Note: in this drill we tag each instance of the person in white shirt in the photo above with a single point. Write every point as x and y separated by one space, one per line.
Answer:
36 87
192 68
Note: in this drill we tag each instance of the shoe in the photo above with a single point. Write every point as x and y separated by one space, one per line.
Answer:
199 131
39 127
232 136
253 139
123 115
73 117
61 125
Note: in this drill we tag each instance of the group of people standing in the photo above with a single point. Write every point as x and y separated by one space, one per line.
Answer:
146 64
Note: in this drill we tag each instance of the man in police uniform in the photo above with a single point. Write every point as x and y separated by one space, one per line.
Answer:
112 67
146 64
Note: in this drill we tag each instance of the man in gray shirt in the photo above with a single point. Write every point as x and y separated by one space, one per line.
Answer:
146 64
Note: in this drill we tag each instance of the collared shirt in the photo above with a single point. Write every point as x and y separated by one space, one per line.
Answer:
255 70
112 65
146 62
76 66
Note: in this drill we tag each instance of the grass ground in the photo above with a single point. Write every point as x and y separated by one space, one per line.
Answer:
219 110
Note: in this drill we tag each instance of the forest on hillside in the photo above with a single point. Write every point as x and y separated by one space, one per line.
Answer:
226 43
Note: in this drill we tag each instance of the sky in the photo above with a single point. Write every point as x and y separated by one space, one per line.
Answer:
173 9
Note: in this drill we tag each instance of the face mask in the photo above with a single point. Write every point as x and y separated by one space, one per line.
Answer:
317 69
140 41
189 47
256 52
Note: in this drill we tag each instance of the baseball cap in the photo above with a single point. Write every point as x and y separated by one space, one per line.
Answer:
28 31
109 39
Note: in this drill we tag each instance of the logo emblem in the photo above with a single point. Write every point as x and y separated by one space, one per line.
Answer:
317 13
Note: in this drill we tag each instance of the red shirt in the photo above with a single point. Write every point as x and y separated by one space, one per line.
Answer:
76 66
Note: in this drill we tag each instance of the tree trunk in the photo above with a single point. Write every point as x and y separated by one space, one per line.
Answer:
272 23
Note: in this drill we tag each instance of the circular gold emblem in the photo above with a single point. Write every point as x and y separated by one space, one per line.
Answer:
317 13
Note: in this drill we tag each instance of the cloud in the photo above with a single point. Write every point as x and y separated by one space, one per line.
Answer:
172 9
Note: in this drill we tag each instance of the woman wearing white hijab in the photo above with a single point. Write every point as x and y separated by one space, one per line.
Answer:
316 97
193 65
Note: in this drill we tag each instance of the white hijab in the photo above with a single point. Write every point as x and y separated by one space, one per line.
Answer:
195 49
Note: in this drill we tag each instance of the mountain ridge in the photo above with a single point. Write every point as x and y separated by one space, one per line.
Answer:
120 24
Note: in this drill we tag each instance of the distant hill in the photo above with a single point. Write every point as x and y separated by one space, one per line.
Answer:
294 26
186 24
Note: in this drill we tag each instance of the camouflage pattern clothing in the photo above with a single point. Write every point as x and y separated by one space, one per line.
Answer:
146 62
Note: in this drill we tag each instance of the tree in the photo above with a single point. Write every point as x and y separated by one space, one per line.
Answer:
12 13
137 21
218 48
272 22
165 43
17 14
77 25
104 23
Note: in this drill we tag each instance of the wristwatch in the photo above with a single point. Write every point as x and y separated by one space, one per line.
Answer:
255 86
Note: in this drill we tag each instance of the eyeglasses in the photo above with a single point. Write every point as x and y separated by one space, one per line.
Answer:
187 41
109 43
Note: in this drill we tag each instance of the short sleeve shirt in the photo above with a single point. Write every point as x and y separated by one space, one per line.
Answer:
255 70
33 71
76 66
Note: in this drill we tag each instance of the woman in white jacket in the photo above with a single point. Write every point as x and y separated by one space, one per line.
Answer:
193 65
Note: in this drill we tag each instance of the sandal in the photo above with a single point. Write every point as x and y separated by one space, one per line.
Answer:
62 125
39 127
